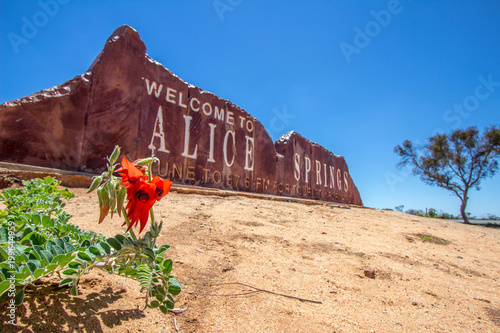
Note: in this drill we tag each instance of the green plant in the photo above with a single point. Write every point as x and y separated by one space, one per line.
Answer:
37 241
37 195
425 237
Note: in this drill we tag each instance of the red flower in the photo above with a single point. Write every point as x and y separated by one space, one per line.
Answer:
130 174
162 187
141 195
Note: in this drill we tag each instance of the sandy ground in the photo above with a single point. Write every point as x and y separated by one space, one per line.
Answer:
316 252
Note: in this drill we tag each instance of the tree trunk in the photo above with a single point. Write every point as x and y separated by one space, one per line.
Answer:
462 208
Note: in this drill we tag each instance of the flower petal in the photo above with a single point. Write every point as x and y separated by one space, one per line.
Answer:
162 187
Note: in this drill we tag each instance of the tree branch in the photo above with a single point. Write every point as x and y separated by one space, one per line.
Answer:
268 291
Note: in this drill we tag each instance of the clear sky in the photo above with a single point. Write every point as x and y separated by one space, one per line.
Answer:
358 77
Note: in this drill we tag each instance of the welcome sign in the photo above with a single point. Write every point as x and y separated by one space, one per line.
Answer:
129 99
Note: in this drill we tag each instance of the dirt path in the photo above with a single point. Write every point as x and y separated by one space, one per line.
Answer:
446 280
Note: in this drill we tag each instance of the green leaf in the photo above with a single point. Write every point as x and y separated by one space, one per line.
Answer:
70 272
59 242
39 272
74 265
18 299
110 188
67 258
160 260
6 273
147 256
44 262
37 239
169 303
159 297
56 250
127 271
21 248
10 266
102 194
154 304
26 234
163 248
45 220
74 290
85 243
51 267
104 248
144 269
46 255
83 256
21 276
4 285
68 247
21 259
145 279
120 199
57 259
4 235
36 254
167 264
120 238
92 250
114 244
174 287
36 219
65 282
31 267
163 309
4 256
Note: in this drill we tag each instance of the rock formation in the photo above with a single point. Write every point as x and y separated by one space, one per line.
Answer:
126 98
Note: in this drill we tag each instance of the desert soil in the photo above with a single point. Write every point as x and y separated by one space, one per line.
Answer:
445 280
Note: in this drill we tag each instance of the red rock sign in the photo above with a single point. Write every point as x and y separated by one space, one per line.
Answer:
129 99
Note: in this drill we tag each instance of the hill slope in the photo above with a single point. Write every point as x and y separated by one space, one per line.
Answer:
445 279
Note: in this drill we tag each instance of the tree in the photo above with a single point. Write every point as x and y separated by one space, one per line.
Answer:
456 162
411 211
432 212
399 208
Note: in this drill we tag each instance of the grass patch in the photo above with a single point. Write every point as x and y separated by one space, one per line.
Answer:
428 238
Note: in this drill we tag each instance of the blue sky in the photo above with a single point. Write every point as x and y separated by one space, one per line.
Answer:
358 77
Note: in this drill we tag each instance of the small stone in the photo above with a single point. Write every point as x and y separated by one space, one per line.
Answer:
369 273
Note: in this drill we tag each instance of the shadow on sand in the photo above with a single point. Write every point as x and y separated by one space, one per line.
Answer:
53 309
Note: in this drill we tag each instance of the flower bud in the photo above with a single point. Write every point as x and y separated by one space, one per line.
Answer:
143 161
114 155
95 183
120 199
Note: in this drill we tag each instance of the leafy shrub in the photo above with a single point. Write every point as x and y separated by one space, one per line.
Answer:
36 241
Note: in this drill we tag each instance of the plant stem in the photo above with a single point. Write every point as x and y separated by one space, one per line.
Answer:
150 175
152 216
127 221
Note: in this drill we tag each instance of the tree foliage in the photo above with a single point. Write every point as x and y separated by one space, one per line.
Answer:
457 161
